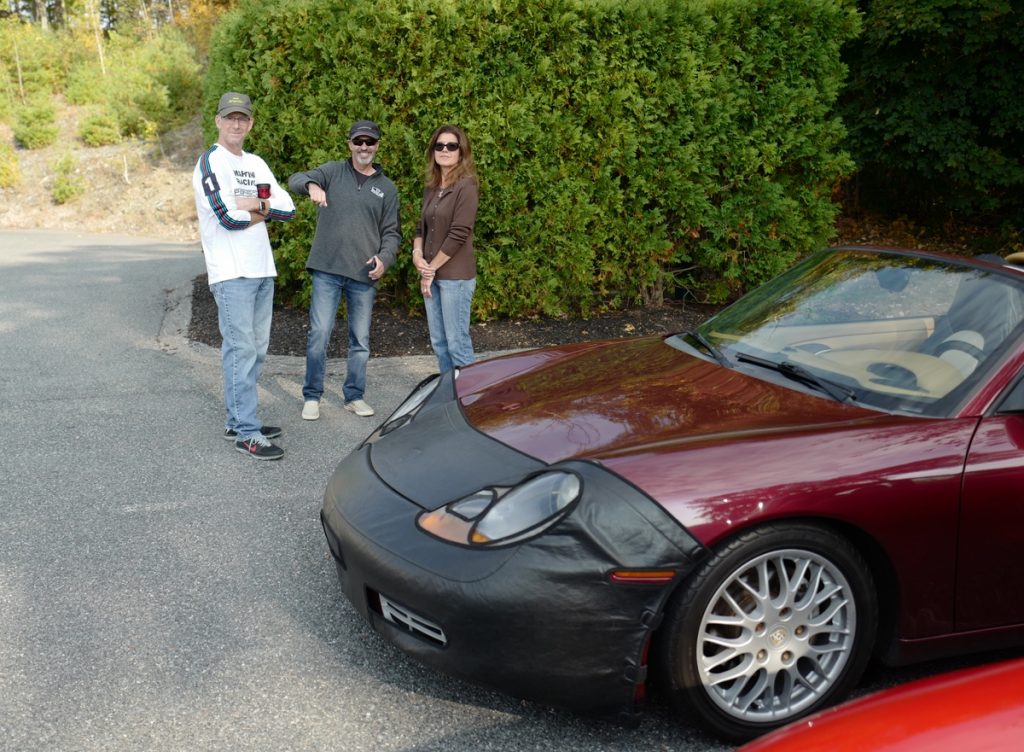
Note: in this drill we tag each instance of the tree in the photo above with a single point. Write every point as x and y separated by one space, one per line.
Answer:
934 110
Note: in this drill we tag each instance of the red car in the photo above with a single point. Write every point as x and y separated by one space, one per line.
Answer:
828 470
974 709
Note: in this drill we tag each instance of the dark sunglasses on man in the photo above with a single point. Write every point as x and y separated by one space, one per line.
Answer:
449 145
363 141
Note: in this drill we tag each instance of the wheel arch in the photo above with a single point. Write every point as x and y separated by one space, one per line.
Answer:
874 556
882 570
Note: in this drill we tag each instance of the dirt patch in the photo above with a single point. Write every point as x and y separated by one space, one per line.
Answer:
394 332
132 188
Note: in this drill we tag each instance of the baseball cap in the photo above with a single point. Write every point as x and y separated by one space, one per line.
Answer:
232 101
364 128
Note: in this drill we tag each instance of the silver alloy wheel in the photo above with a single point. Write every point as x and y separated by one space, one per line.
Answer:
776 635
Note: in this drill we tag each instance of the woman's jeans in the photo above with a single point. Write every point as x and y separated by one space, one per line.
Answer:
327 292
244 308
448 321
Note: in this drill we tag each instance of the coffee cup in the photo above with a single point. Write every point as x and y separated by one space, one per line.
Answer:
263 190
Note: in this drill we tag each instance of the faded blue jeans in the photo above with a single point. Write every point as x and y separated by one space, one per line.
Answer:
244 308
448 309
327 292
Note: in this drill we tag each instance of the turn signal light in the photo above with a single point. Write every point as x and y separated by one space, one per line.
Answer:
642 576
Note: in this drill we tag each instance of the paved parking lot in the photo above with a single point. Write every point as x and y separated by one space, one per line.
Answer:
160 591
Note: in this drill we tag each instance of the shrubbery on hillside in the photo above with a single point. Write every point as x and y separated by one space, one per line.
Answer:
144 85
10 169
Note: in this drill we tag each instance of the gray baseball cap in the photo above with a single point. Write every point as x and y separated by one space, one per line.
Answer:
232 101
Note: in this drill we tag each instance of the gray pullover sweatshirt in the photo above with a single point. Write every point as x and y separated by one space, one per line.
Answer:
359 221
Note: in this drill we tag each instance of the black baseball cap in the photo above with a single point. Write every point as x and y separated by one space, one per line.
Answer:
364 128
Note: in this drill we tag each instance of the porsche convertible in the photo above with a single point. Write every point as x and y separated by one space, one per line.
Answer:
828 471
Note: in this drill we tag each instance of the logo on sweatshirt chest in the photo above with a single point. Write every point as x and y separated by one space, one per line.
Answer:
377 192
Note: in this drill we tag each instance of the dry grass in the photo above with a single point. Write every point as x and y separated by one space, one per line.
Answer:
131 188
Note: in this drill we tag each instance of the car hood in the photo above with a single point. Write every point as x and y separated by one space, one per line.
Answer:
610 399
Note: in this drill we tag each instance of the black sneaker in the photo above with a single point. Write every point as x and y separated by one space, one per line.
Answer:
259 448
271 432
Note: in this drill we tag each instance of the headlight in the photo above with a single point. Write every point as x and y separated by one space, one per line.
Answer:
496 516
407 410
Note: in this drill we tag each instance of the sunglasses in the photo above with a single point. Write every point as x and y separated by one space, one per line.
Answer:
449 145
364 141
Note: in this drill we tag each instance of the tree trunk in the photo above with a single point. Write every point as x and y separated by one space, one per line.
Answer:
39 13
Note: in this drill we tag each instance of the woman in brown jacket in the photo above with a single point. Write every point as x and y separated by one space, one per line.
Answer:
442 249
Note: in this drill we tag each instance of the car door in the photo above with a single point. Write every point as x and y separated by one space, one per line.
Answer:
990 581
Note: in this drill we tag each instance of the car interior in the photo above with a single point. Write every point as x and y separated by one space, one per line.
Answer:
921 356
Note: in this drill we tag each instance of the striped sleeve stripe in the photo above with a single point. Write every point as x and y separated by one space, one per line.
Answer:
283 216
220 211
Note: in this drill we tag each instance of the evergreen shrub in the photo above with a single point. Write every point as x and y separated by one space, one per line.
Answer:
68 183
10 169
87 86
935 110
35 124
149 85
154 85
628 151
33 59
8 97
99 129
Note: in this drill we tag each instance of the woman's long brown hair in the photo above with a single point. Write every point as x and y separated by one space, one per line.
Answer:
464 167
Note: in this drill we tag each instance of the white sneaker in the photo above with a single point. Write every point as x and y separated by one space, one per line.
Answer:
359 407
310 410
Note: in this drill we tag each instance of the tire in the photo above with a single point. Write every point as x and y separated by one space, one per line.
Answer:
745 651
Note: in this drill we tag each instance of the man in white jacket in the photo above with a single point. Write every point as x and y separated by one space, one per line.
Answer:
236 195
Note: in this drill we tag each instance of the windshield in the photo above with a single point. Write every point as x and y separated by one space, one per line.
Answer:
900 332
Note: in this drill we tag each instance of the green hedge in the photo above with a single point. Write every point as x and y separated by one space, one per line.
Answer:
935 107
628 151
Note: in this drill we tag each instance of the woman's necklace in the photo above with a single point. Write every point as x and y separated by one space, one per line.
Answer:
443 187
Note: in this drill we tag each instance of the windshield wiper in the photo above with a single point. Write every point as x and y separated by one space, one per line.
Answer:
796 372
704 342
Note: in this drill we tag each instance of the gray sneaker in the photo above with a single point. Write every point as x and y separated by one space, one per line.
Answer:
359 407
310 410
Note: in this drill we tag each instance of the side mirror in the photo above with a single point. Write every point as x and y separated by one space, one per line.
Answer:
1013 401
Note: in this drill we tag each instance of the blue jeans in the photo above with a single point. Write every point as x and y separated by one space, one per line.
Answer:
244 308
448 310
327 292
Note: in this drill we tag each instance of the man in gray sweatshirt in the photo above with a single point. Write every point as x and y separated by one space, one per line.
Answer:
357 238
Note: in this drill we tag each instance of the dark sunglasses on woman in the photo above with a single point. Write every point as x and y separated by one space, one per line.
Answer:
449 145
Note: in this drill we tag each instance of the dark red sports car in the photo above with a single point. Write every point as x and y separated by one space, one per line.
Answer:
828 470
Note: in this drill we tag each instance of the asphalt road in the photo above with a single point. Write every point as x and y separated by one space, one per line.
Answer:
159 590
